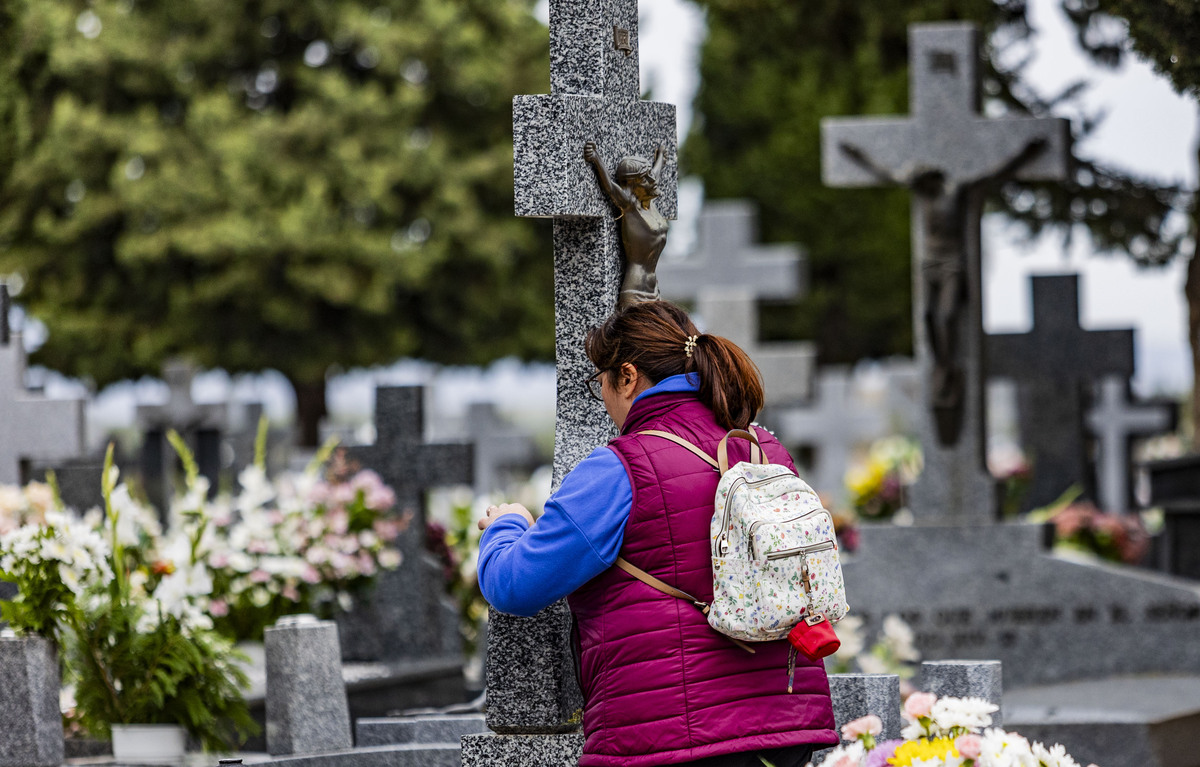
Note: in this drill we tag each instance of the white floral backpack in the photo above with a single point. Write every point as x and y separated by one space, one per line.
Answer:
774 550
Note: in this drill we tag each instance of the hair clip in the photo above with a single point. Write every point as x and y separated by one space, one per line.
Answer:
689 345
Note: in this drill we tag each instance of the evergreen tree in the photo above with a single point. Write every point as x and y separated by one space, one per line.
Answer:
771 69
275 184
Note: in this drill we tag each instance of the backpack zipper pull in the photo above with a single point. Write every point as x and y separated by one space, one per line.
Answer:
791 667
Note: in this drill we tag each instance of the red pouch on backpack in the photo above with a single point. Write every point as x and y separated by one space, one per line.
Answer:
814 637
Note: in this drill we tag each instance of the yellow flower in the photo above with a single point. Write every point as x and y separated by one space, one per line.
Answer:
924 749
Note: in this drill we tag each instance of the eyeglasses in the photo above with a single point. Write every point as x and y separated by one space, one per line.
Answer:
593 386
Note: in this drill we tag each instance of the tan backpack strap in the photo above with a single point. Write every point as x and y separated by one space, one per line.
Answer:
756 456
682 443
669 590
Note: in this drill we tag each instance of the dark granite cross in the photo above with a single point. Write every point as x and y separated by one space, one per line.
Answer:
1115 421
727 275
201 426
1051 366
406 616
947 154
31 426
594 96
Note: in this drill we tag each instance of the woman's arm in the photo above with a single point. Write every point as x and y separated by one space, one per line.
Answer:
523 569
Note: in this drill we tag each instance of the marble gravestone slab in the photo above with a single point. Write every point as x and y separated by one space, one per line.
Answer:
408 615
949 155
1000 597
32 427
1054 366
726 278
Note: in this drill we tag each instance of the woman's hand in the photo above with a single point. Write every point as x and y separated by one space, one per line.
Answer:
495 512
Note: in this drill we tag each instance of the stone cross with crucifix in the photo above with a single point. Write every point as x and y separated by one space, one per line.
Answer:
1115 420
948 155
594 97
32 427
727 276
1053 365
407 615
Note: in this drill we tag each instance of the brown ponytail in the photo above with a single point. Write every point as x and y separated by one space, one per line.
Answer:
654 337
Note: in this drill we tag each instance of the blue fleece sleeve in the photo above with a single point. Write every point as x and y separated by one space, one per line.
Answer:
524 569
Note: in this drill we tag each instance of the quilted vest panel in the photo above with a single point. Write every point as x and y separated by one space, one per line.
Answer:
660 685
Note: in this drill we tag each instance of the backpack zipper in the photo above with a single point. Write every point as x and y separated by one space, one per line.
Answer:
723 539
800 550
754 525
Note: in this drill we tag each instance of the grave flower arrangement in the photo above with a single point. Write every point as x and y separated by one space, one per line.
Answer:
304 543
877 484
1081 527
942 732
137 645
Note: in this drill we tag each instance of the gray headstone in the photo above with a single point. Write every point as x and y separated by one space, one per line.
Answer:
499 447
79 481
998 596
1054 365
307 710
727 276
594 97
200 425
857 695
32 427
947 133
966 679
1115 421
29 715
408 615
839 421
1175 487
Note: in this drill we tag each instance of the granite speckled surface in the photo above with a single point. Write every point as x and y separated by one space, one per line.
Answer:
994 594
30 721
307 711
946 132
856 695
966 679
522 750
385 731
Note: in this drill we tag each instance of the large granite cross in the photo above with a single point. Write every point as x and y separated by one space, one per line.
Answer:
594 96
1116 421
407 615
727 276
1051 365
201 426
947 154
32 428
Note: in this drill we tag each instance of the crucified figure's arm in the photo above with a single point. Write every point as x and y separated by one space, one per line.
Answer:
1009 168
615 192
860 158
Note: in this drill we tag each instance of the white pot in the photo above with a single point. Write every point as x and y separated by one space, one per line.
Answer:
149 743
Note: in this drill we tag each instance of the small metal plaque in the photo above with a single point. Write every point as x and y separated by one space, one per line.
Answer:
943 62
621 40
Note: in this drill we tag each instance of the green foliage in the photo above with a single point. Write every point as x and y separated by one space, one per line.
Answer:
1167 33
771 69
272 185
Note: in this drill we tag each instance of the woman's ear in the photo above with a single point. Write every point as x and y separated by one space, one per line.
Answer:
627 379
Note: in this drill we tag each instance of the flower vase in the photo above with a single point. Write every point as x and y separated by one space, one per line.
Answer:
149 743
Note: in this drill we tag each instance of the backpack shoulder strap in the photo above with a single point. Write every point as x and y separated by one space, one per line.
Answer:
682 443
669 590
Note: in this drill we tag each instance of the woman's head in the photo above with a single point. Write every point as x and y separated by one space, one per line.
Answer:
659 340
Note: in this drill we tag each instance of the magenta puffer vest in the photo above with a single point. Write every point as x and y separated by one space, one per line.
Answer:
660 685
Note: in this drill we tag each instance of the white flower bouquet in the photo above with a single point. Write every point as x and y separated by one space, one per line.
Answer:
942 732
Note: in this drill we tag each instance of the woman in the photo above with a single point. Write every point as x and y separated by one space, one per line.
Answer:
660 685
